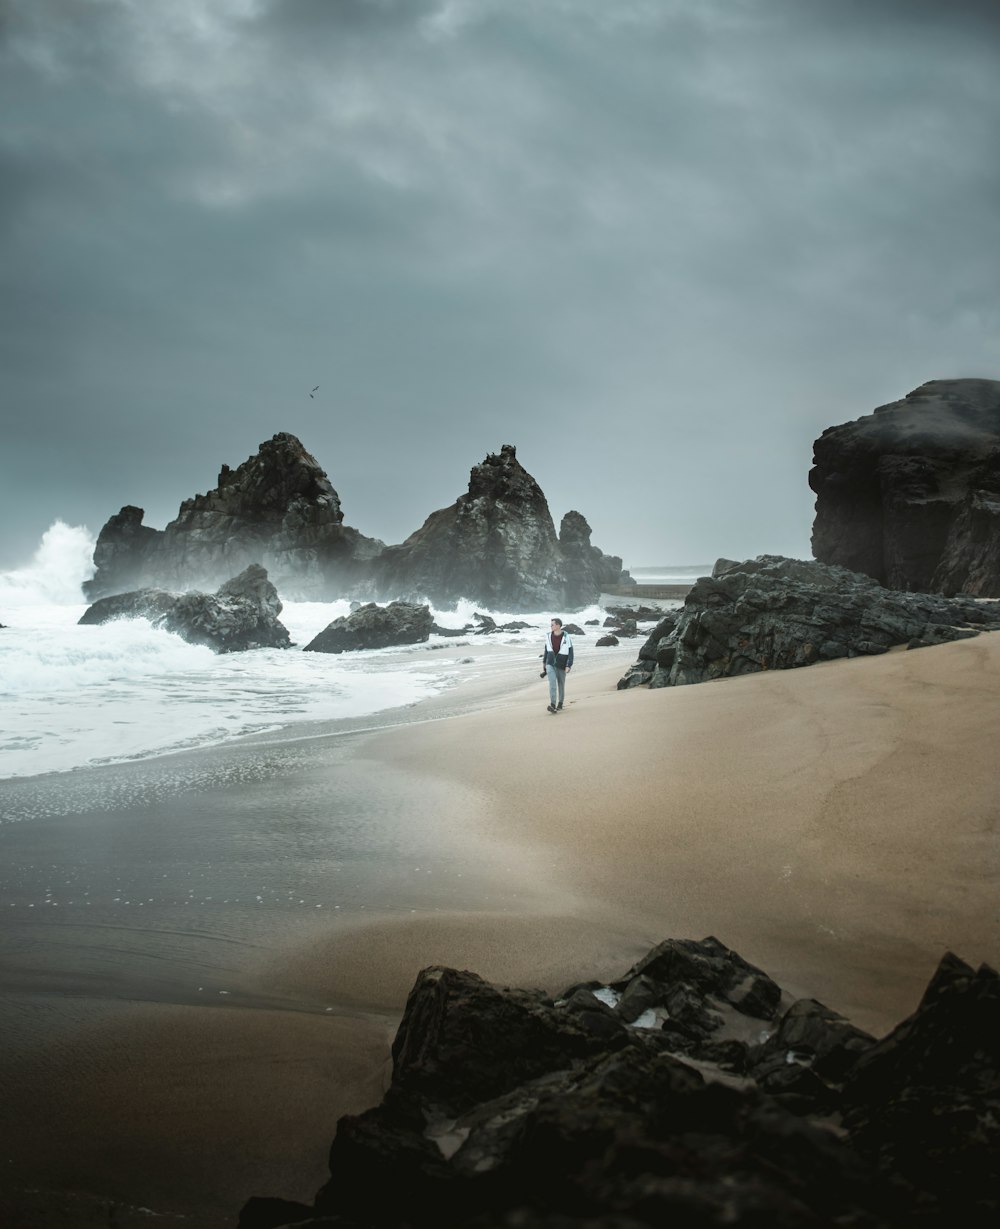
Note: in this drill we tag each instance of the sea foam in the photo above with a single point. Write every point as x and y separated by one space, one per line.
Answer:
75 696
60 565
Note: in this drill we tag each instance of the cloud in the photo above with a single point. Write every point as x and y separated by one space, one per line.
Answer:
695 234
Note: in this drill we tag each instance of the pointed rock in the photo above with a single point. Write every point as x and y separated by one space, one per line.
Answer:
497 546
278 509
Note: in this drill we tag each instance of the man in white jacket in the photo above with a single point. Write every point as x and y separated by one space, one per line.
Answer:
558 659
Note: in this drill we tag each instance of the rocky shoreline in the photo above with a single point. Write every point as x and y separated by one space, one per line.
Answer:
772 613
692 1090
241 614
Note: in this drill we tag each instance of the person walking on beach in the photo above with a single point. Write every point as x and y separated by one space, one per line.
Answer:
558 659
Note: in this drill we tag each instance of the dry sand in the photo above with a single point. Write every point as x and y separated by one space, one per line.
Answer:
836 825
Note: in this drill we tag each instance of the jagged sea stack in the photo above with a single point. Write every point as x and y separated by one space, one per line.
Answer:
588 570
496 545
277 509
910 494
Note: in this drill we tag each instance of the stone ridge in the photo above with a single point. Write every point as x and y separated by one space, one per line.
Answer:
910 494
692 1091
772 613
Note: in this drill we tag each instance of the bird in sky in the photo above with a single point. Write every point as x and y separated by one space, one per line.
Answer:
315 390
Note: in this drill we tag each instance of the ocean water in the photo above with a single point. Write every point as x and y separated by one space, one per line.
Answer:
75 697
670 573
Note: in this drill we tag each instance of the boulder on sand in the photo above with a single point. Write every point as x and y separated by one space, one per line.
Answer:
692 1091
374 627
772 613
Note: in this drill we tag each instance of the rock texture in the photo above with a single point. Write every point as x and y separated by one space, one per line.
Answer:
690 1092
497 545
588 570
278 509
910 494
123 554
772 613
374 627
241 614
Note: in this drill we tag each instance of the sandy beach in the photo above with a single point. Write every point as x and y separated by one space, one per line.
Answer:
835 825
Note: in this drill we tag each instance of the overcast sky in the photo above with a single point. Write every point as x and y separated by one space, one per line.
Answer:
659 245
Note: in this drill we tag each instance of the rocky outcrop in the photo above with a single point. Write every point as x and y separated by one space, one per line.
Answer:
772 613
497 545
241 614
588 571
692 1092
151 604
278 509
374 627
910 494
125 547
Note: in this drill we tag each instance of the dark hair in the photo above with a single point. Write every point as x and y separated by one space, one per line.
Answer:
557 620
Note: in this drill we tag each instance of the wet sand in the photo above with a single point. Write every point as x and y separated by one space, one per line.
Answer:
836 825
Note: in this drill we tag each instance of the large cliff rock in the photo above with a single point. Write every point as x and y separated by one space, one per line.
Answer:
693 1091
497 546
241 614
772 613
910 494
278 509
588 571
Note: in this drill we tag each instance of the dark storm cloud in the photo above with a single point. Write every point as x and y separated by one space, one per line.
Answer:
678 238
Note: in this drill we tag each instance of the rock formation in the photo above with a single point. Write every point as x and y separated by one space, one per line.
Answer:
772 613
123 554
692 1092
588 570
278 509
374 627
241 614
497 545
910 494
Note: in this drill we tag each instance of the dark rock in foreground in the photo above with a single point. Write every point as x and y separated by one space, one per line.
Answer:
497 545
772 613
691 1092
910 494
241 614
374 627
278 508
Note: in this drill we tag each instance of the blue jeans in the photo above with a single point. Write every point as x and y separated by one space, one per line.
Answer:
557 678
